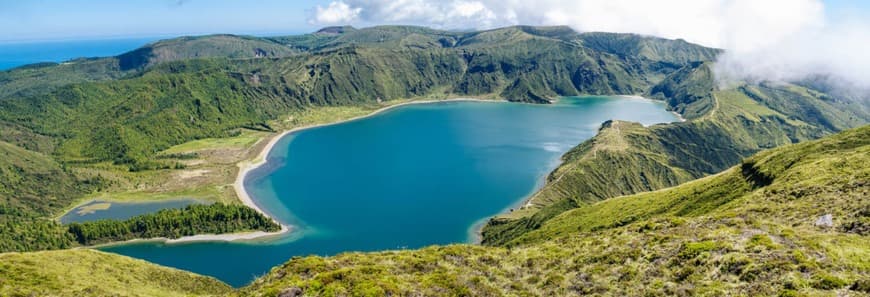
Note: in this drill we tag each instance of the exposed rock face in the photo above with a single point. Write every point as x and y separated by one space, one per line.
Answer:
825 221
291 292
260 53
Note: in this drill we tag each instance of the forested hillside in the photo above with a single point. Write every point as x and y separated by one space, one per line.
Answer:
756 229
723 127
172 99
174 223
790 221
119 125
93 273
92 120
126 109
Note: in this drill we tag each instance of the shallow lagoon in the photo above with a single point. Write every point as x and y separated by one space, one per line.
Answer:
410 177
99 210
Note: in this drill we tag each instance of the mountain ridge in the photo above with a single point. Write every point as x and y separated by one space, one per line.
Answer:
108 128
752 229
724 234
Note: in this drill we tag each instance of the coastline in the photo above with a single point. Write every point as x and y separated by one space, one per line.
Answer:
475 232
475 235
261 158
229 237
636 97
246 167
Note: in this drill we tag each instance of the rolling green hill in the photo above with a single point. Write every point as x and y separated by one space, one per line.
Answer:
201 47
753 230
757 228
40 78
94 126
211 86
33 187
723 127
92 273
86 112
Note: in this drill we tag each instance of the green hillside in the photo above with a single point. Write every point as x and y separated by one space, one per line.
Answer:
33 187
93 273
750 230
39 78
102 118
179 90
755 229
131 127
201 47
723 127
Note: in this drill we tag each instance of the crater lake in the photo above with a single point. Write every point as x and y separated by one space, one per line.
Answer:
409 177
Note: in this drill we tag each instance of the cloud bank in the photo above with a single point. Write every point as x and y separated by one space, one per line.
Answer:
771 39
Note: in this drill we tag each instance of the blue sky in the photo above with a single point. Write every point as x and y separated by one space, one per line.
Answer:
846 7
57 19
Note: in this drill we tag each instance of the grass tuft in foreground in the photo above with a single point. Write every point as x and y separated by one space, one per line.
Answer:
750 230
85 272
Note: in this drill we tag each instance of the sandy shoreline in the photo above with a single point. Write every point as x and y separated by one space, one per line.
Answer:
246 167
243 236
636 97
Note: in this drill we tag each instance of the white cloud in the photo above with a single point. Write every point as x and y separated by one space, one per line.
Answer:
336 12
471 9
772 39
837 51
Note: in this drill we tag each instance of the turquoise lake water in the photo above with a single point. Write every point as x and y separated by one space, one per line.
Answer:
410 177
120 210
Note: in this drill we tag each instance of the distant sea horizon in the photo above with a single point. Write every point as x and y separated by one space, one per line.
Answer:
15 54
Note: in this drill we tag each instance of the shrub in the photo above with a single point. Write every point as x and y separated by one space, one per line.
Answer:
828 282
691 250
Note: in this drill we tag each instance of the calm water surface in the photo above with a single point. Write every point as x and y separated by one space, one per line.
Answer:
410 177
99 210
16 54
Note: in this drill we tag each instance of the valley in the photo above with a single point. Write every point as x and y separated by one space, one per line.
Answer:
724 201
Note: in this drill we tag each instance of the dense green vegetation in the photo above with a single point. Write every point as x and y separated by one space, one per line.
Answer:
174 223
27 232
168 98
38 179
35 188
80 115
32 188
83 272
724 126
750 230
199 47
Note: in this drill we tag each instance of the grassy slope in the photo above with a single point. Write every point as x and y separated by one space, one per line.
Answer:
747 231
33 187
36 79
186 98
168 102
724 126
123 121
34 183
199 47
92 273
